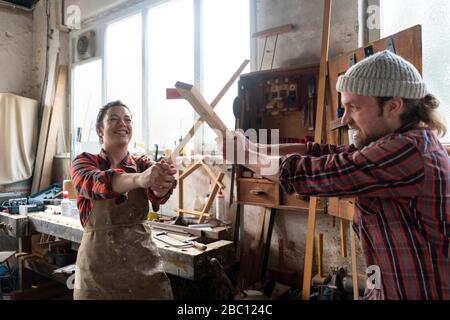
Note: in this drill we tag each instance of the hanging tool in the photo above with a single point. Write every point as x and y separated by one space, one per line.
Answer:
236 113
155 156
311 110
183 242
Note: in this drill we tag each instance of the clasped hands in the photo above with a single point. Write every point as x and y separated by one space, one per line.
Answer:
160 177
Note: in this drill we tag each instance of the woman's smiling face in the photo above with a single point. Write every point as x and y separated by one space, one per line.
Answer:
117 127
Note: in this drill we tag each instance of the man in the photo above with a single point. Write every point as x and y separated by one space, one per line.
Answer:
397 170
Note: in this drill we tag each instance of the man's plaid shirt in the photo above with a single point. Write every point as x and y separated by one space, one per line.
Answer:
402 187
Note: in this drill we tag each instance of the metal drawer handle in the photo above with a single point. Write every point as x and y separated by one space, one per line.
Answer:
257 192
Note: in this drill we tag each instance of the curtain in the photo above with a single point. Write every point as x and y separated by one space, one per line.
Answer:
18 137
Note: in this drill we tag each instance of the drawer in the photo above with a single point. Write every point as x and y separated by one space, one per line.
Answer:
258 192
297 201
14 225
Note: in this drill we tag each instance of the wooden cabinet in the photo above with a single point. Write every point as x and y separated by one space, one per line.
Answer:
283 100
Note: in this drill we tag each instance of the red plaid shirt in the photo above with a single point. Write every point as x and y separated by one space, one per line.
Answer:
402 188
92 178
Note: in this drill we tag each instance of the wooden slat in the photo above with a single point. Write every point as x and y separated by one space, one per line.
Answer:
354 265
193 96
307 271
41 149
320 254
211 197
212 175
43 133
273 31
180 191
216 101
343 237
55 123
194 212
189 171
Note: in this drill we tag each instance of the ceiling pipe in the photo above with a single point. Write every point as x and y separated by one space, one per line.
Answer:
363 32
16 6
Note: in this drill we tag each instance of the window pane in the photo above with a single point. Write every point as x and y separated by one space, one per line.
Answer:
87 92
124 67
226 44
171 59
433 16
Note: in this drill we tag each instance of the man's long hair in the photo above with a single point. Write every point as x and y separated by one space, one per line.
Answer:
421 111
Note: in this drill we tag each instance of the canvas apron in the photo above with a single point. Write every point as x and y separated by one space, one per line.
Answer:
117 258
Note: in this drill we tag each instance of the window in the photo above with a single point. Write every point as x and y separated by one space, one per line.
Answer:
170 59
87 100
124 67
226 34
148 48
433 16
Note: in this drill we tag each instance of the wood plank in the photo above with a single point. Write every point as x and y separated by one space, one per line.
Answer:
193 96
215 102
307 271
55 123
193 212
45 122
212 197
343 237
212 175
180 190
354 264
273 31
190 170
41 149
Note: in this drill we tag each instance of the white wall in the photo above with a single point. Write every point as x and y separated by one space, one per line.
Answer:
16 52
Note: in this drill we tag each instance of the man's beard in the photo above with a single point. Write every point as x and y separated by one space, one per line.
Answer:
363 142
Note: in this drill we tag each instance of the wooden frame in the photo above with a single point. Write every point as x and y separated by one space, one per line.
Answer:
218 185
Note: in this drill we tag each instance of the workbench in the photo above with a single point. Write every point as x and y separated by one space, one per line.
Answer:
188 263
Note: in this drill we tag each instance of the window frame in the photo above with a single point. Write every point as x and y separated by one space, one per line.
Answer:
100 26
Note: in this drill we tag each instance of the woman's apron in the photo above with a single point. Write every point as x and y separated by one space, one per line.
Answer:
117 258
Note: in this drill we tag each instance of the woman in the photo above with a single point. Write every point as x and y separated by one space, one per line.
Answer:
117 258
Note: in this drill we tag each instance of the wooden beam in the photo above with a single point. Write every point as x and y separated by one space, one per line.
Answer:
193 212
55 123
211 197
307 270
190 170
343 237
354 265
215 102
180 191
273 31
212 175
193 96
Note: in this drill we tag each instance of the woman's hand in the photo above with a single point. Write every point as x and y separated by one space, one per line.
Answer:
159 177
170 170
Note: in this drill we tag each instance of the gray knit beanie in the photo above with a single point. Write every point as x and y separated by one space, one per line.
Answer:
383 74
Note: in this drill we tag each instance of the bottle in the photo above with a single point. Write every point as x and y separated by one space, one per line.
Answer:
66 205
212 210
220 206
197 205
